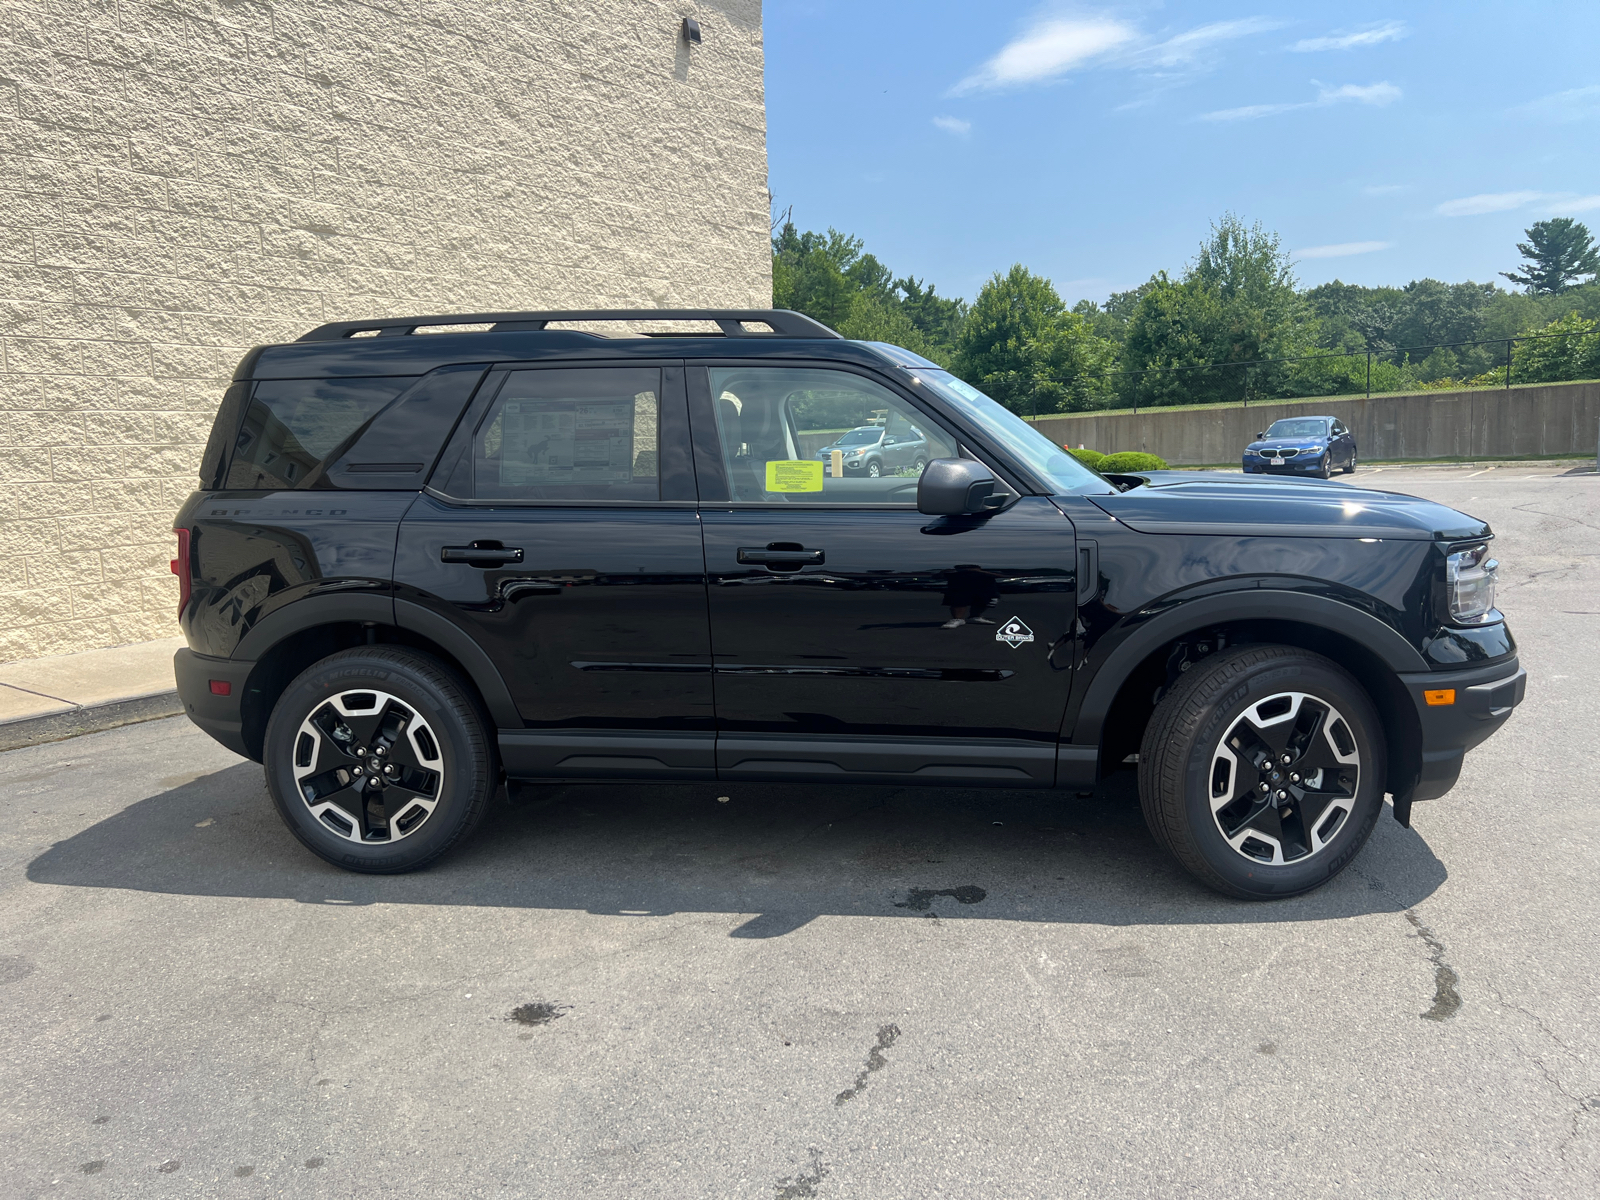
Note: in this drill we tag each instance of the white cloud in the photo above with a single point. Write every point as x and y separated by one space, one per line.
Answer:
1048 49
1389 31
1488 202
1385 189
1342 249
1574 104
1373 93
1183 49
954 125
1054 45
1493 202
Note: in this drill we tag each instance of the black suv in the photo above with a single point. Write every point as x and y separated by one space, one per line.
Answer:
423 560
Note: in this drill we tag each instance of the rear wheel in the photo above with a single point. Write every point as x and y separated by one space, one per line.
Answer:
378 761
1351 468
1262 771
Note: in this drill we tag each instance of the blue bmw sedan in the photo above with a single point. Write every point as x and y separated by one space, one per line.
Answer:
1302 446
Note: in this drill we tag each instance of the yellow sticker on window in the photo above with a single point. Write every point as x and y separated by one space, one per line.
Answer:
794 475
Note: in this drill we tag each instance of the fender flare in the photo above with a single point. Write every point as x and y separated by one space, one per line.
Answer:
1188 616
383 609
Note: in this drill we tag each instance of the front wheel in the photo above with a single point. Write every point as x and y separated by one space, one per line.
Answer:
1325 471
377 759
1262 771
874 469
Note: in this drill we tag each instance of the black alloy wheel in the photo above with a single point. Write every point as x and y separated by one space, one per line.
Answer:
1325 471
1351 468
874 469
377 759
1262 771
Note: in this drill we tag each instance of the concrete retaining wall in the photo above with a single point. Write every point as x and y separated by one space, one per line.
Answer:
1526 421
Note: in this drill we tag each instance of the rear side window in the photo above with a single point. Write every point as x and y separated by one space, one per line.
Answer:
293 425
591 433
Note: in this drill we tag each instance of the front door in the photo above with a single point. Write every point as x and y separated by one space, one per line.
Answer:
560 533
854 637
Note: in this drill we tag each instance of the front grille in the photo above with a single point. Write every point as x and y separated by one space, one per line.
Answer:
1277 453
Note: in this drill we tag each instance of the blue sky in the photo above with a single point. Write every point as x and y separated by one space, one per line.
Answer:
1384 142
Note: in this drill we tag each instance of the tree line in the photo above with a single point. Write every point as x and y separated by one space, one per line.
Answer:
1233 325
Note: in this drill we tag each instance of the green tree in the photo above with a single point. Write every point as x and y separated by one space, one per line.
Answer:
1021 346
1553 359
1236 304
1558 253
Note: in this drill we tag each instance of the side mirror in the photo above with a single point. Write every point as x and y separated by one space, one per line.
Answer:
956 486
1261 434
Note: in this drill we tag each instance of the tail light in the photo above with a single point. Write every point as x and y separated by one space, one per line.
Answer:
180 568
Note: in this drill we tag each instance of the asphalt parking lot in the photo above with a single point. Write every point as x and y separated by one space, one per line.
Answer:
640 991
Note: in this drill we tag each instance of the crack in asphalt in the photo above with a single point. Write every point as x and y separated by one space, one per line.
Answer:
1446 999
876 1061
1581 1104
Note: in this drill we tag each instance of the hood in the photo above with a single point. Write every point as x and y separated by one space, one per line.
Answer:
1205 502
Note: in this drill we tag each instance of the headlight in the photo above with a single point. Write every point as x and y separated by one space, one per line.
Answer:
1469 585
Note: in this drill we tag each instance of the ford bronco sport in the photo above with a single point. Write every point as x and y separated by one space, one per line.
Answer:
433 553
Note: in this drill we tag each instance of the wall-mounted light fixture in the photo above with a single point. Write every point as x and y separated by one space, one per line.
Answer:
691 30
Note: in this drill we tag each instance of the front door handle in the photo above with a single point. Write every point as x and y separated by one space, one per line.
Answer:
481 554
764 556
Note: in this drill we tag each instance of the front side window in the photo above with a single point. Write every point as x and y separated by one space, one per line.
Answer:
293 426
798 435
581 434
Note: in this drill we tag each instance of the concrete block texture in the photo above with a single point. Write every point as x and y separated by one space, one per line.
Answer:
183 179
1535 420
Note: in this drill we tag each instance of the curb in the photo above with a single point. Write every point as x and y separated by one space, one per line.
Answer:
90 718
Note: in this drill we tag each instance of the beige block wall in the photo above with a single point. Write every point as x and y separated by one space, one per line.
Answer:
182 180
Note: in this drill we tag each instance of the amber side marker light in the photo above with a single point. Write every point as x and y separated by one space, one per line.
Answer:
1440 698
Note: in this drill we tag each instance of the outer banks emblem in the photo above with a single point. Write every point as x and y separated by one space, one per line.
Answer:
1013 633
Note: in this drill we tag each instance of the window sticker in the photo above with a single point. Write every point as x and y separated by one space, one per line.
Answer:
794 475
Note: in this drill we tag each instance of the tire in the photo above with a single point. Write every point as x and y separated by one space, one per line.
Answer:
1351 468
1326 470
874 469
1252 846
403 712
919 465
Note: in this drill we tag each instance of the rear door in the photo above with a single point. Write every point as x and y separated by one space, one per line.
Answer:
853 636
560 533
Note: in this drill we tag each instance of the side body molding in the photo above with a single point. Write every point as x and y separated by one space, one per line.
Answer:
1253 604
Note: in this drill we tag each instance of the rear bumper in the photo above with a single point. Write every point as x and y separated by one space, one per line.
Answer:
1483 699
220 716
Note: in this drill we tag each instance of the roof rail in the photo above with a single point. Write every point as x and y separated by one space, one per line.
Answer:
781 321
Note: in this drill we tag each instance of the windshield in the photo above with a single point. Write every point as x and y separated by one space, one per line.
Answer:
1301 427
1064 473
859 437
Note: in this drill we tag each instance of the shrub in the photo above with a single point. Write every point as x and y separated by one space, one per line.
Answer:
1131 460
1089 458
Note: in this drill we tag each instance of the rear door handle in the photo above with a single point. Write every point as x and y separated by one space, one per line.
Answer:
789 558
481 554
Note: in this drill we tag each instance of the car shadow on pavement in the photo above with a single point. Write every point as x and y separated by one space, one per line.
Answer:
787 853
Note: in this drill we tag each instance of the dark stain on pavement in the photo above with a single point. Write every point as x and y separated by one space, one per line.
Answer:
243 1172
14 967
313 1163
803 1185
1446 999
93 1168
921 899
876 1061
537 1012
168 1167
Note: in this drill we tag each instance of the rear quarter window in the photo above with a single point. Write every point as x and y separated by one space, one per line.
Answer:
293 426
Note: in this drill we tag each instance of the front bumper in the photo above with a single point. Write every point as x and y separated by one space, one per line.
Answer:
220 716
1480 702
1301 464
